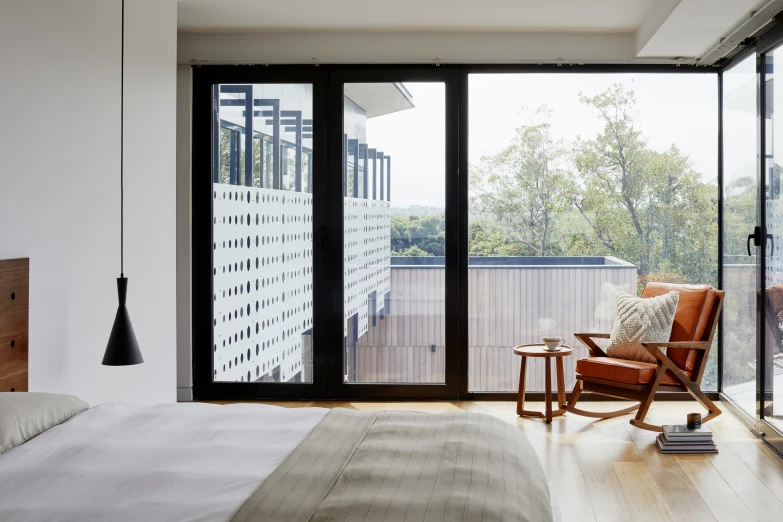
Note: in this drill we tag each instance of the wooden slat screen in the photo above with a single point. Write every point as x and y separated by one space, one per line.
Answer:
505 305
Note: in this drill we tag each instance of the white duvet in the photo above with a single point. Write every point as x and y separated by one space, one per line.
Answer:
177 462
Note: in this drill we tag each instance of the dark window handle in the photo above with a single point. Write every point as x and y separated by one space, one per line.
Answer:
756 237
771 238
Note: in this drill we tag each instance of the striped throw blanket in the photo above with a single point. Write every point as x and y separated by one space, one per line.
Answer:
405 466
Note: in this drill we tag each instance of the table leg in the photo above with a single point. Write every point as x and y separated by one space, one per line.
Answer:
548 390
561 393
521 393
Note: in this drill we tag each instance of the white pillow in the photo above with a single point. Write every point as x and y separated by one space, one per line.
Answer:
23 415
639 321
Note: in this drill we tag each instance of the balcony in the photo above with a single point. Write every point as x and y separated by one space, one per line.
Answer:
520 299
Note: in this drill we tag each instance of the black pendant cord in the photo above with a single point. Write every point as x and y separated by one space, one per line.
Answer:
122 348
122 145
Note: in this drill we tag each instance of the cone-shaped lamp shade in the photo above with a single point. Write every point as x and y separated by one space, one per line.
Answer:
122 350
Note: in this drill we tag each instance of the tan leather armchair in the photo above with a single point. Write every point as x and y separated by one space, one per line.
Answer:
679 363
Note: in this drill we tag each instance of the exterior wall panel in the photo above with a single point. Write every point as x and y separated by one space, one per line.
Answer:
507 305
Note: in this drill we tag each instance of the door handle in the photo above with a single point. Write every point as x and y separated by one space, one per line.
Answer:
772 239
756 237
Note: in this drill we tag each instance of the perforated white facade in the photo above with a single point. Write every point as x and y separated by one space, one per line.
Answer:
367 258
263 281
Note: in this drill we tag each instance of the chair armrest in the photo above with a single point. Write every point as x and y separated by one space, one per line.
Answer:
587 340
595 335
666 364
690 345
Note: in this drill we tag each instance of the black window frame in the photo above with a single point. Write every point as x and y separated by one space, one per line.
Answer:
771 434
205 104
327 83
448 390
759 45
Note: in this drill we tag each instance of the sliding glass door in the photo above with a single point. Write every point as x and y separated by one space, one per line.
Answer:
740 261
394 293
263 235
752 238
325 232
769 370
398 205
259 204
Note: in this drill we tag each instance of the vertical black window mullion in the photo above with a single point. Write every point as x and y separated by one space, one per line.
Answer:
761 212
462 239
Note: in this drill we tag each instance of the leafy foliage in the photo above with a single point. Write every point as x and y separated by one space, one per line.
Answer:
647 207
523 188
418 236
609 195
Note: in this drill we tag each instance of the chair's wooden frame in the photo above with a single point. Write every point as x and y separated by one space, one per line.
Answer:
644 394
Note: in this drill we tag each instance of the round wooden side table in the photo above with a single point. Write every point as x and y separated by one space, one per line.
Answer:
539 350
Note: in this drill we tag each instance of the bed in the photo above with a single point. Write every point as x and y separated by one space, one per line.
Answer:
256 462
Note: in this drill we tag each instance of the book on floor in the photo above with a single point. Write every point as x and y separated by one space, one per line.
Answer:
685 447
680 439
677 433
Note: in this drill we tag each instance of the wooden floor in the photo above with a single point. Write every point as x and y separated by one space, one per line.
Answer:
608 470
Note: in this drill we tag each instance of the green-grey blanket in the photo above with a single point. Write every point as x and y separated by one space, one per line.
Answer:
405 466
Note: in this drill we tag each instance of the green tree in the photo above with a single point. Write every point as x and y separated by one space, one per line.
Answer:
413 251
523 187
739 215
487 238
225 152
414 234
644 206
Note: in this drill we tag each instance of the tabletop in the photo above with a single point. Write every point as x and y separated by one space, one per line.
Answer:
539 350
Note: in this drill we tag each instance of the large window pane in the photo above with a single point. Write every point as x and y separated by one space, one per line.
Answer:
582 185
740 201
262 228
394 187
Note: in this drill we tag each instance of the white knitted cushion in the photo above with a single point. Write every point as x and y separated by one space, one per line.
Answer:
641 320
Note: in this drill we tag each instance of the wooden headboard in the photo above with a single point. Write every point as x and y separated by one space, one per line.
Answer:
14 302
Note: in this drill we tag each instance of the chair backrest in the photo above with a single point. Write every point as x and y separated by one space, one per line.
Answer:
695 320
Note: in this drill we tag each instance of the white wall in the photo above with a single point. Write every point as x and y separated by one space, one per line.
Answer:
59 187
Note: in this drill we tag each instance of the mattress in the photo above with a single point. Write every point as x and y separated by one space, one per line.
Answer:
176 462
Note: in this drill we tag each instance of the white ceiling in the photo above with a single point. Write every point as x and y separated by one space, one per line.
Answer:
408 15
695 25
412 31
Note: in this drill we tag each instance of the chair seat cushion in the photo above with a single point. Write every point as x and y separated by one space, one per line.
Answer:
621 370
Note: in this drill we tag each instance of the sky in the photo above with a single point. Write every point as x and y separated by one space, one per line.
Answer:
678 109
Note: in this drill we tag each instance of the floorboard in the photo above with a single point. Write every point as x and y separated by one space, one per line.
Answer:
607 470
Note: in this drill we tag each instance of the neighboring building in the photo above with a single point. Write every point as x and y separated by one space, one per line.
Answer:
263 226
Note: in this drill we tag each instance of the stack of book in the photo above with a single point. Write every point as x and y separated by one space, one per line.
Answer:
679 439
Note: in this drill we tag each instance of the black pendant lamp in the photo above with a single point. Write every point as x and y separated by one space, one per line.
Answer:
122 349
